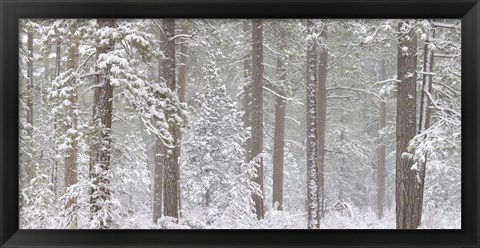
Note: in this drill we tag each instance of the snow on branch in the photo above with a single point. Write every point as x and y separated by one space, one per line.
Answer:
184 36
358 90
296 101
388 81
427 73
448 56
291 119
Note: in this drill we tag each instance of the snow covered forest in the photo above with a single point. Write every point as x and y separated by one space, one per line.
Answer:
250 124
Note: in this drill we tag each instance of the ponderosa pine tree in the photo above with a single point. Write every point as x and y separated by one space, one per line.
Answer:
70 159
406 179
182 93
313 196
160 154
171 173
257 113
424 117
102 118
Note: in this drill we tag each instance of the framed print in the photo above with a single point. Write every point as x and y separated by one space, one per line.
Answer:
239 123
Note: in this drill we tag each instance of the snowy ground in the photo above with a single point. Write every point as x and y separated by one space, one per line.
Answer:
332 220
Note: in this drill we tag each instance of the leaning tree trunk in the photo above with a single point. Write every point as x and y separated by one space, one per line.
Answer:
381 147
424 122
279 139
101 150
257 113
322 114
171 171
313 201
406 214
70 160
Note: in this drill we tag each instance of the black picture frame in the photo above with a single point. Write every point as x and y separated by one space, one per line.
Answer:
12 10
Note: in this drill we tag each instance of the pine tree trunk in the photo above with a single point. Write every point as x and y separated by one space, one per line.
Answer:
102 115
322 114
171 171
70 161
257 112
313 201
183 65
406 129
182 95
247 89
279 140
159 159
381 147
424 122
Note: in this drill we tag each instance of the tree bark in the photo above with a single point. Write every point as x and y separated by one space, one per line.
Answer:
257 112
322 113
279 140
313 201
405 129
70 160
159 158
424 122
102 115
183 65
381 147
182 94
171 172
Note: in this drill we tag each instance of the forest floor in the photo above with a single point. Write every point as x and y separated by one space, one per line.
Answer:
432 219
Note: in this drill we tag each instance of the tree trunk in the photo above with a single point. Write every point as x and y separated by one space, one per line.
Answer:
159 159
381 147
257 112
70 160
171 171
322 113
102 115
247 89
406 129
279 140
183 65
313 201
424 122
182 94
